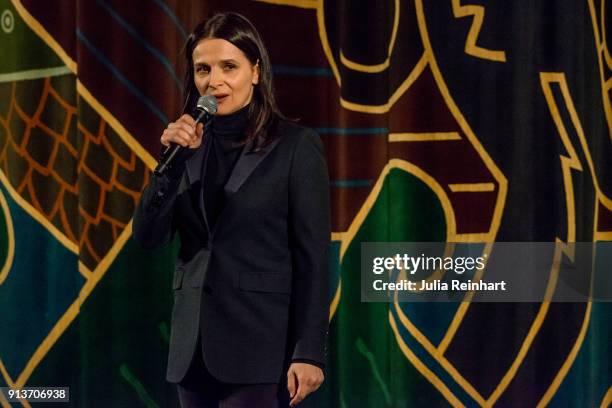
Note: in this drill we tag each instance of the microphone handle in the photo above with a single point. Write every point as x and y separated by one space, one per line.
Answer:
173 149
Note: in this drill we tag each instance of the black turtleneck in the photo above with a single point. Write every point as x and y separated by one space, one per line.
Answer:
227 132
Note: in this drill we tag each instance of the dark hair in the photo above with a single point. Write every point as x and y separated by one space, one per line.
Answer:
235 28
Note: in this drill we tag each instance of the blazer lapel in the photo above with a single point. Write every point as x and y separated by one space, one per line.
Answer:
196 168
247 162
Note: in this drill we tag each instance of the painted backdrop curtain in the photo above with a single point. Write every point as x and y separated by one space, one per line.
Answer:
451 120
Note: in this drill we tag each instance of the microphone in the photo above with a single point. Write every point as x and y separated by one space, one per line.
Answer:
206 108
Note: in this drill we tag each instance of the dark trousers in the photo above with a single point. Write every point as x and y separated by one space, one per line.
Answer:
199 389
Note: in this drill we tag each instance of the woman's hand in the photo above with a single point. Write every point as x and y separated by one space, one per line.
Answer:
302 379
183 132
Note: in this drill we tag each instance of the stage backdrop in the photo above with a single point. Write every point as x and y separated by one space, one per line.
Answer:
445 120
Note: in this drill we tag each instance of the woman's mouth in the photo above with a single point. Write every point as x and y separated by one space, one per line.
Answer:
221 97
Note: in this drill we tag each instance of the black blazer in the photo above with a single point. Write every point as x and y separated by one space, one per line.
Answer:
256 286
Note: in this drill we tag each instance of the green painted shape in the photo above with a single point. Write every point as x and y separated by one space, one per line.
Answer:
119 324
416 219
13 55
405 208
363 349
131 379
416 214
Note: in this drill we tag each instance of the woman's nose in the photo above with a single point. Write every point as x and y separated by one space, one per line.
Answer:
216 78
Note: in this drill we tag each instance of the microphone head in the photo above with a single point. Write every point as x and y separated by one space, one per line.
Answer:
207 103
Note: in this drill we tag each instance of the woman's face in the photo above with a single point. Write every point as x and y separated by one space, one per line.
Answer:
221 69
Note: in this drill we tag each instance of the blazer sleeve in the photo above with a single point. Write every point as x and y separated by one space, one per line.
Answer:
152 224
309 227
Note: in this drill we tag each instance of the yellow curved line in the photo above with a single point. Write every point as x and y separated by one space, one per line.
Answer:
9 383
604 43
44 35
463 306
396 19
489 163
336 236
369 69
599 44
369 202
469 133
74 309
451 237
4 402
534 329
432 183
470 43
449 249
333 307
10 233
123 133
325 42
375 109
422 368
384 108
48 342
447 365
568 163
348 236
5 374
376 68
607 399
81 89
560 79
567 364
569 103
305 4
600 235
33 212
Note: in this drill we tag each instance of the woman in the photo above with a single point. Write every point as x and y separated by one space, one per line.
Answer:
249 197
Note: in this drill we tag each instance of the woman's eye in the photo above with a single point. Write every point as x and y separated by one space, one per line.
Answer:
202 70
229 66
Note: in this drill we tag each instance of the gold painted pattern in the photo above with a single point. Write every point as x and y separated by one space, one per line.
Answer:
306 4
471 187
477 12
130 172
375 68
70 168
10 233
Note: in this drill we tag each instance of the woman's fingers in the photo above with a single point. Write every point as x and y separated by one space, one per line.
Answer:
183 132
187 119
184 126
178 136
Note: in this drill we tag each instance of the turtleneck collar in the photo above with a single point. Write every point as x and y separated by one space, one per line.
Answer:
231 128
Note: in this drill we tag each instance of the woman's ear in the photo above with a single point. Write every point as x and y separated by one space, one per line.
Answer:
255 80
